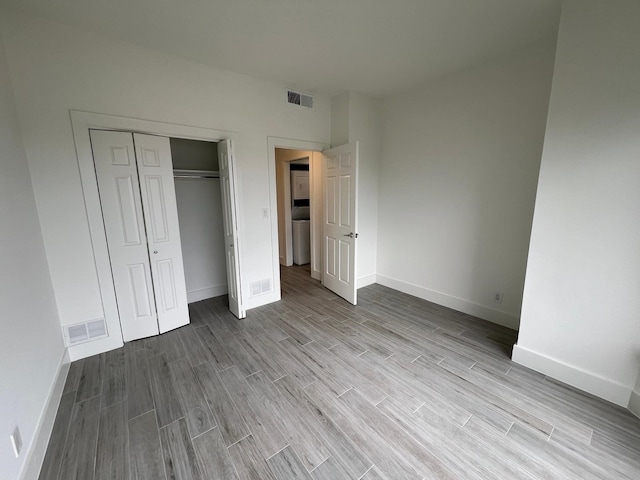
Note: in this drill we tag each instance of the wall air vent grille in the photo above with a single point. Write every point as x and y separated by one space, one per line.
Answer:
297 98
261 286
85 331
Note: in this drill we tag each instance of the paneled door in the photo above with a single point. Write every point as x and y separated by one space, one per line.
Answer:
117 173
155 170
228 191
340 225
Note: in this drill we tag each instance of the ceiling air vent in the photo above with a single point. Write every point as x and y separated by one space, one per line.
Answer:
297 98
85 331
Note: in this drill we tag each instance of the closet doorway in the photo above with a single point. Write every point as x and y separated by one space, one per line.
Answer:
197 185
83 123
206 195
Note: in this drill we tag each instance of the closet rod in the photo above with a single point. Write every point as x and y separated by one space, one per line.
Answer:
182 175
195 174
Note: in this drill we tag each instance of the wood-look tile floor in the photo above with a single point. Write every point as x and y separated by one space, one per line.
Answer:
314 388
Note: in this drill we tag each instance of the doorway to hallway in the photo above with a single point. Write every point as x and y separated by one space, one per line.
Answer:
331 203
293 178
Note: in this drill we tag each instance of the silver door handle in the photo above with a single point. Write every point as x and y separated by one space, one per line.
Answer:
155 251
351 235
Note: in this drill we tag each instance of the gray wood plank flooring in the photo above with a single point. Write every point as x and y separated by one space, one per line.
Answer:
315 388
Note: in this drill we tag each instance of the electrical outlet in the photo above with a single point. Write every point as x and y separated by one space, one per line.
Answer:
16 441
498 297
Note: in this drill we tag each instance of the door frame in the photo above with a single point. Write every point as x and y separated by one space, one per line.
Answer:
288 143
81 123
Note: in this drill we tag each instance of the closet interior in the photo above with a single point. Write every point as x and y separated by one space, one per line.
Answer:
198 198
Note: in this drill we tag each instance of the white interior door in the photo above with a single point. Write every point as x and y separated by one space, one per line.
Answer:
115 164
340 225
228 190
155 169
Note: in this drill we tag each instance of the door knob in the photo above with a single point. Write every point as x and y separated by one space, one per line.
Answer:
155 251
351 235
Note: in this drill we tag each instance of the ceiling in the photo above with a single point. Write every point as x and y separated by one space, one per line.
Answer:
376 47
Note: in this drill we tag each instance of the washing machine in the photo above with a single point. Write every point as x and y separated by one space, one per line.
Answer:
301 241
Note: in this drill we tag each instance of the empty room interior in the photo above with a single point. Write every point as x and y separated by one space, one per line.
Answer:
320 240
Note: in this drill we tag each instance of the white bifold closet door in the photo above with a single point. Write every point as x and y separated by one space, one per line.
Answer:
137 194
228 191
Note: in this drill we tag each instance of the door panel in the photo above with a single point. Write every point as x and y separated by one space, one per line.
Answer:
155 168
157 209
331 256
345 201
138 276
340 222
117 175
345 256
127 204
226 165
330 197
167 284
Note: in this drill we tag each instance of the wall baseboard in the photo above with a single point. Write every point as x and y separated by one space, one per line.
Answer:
589 382
481 311
634 403
367 280
38 447
204 293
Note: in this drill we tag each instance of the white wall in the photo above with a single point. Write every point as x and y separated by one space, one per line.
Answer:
580 319
365 126
457 183
31 345
340 119
56 68
357 117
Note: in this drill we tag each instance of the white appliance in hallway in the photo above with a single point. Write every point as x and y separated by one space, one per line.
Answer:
301 241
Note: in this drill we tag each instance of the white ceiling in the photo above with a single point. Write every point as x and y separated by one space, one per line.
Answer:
377 47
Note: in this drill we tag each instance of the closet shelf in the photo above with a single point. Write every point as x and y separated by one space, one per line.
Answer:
179 173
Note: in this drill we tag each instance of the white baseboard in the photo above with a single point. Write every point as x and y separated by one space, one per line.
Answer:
204 293
367 280
38 447
634 403
285 263
589 382
482 311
